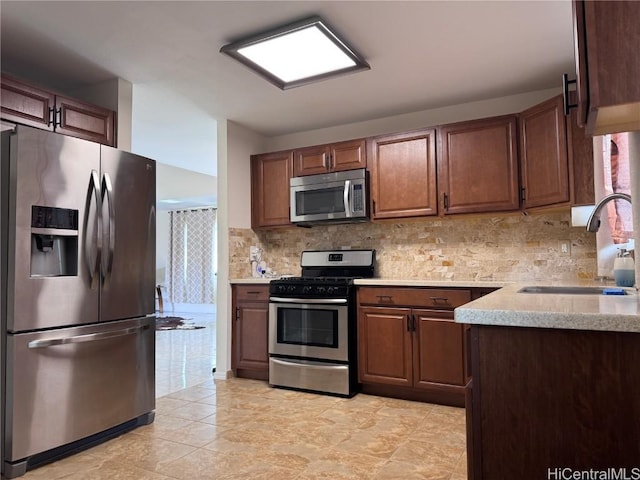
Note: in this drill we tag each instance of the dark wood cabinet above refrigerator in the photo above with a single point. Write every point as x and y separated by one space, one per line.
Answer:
30 105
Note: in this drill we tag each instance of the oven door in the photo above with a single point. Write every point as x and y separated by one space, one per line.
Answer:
309 328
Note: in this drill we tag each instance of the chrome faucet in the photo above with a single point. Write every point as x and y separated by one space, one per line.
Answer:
594 220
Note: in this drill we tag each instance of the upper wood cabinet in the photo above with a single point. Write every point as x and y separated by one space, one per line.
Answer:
29 105
580 152
270 174
606 38
349 155
403 175
478 166
543 155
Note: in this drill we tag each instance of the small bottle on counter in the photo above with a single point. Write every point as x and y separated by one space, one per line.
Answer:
624 270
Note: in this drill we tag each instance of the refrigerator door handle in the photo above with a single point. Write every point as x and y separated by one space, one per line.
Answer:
94 267
107 187
91 337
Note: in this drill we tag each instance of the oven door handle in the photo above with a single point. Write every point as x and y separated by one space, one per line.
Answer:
309 365
327 301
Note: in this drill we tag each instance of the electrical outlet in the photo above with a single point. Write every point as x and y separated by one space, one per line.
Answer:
565 248
254 254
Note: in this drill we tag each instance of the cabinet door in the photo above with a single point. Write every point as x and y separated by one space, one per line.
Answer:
403 175
251 339
543 152
384 346
438 349
478 166
607 38
311 161
86 121
270 174
580 151
25 104
349 155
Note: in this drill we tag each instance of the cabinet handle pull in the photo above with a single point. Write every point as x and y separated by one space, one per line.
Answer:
440 300
374 206
385 298
523 197
408 318
413 323
58 118
446 201
237 313
52 117
565 93
253 292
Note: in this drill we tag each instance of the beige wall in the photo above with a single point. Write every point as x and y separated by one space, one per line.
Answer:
174 182
235 146
115 94
411 121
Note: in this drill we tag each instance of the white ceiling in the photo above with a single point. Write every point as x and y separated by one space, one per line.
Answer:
423 55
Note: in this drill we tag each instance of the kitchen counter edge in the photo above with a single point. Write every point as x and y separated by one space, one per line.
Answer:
506 307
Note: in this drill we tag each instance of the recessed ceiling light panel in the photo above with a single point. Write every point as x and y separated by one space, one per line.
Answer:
296 54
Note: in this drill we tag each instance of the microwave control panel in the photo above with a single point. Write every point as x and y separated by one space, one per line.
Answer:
357 198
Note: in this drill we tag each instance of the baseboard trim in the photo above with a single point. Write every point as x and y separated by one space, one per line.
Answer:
223 375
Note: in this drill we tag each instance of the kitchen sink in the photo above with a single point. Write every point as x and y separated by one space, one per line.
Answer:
569 290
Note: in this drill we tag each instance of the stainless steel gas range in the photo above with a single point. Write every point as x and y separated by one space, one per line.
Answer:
312 323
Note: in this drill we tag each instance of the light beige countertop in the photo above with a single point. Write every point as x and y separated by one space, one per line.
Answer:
250 280
507 307
381 282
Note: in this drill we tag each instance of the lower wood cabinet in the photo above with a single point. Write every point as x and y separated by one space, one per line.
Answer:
409 345
250 331
543 400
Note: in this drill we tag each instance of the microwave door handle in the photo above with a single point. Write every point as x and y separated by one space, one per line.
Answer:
346 195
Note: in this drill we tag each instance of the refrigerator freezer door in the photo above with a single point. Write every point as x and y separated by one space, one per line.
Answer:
50 269
129 235
70 383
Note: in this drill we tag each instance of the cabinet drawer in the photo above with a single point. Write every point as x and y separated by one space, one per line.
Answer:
415 297
252 292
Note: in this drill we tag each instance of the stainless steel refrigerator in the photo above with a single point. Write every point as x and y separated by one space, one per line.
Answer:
77 260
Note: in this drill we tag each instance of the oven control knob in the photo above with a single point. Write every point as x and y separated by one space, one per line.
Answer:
291 289
330 290
282 288
306 289
320 289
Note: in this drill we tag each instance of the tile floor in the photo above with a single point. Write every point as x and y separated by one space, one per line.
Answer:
184 358
243 429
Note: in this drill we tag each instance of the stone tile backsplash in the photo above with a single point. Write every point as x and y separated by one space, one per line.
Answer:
501 248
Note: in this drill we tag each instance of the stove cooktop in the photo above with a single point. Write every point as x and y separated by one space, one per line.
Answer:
326 273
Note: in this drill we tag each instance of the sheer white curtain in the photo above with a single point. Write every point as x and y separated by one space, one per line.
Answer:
191 268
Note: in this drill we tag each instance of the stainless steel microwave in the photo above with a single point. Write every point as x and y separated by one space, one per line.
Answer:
329 197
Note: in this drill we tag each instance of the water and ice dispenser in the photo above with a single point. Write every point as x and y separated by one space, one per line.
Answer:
54 242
